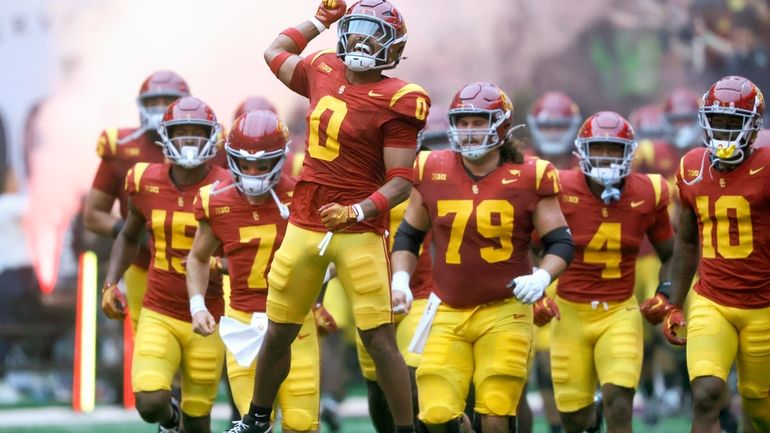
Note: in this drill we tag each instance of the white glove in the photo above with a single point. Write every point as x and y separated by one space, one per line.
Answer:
529 288
402 295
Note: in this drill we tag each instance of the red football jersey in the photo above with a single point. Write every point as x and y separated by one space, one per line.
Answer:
481 228
116 160
656 156
348 127
171 224
608 236
250 235
733 227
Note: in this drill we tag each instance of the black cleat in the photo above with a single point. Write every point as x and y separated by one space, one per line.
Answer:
177 428
243 426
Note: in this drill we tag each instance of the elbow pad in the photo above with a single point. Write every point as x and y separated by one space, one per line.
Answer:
559 242
408 238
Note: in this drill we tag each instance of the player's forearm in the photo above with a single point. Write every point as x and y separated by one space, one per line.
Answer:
554 265
124 251
403 261
389 195
683 265
102 223
197 276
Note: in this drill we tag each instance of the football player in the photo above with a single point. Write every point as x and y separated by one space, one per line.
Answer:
722 234
247 216
680 110
161 201
482 200
553 120
362 132
119 150
598 336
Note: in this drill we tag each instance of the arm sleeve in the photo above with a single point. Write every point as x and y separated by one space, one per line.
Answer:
300 81
105 181
661 229
200 204
546 179
400 133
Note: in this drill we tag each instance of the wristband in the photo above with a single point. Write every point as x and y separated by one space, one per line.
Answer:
359 212
664 288
400 283
318 24
380 202
197 303
297 37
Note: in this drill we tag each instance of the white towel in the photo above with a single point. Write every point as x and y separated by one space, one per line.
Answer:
242 339
423 327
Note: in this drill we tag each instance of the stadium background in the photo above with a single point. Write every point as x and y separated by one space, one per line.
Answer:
73 67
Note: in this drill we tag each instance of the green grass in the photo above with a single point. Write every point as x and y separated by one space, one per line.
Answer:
350 425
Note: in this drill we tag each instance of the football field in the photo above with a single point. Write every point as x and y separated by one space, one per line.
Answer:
85 424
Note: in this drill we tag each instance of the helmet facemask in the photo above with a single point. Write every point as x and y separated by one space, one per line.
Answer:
729 131
553 137
685 131
365 42
475 143
189 151
269 164
151 115
605 169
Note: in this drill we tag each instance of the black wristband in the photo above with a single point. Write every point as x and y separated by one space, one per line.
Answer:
664 288
116 228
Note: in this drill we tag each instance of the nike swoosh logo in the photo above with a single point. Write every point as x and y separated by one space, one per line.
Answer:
518 316
752 172
301 336
636 203
507 181
630 308
372 94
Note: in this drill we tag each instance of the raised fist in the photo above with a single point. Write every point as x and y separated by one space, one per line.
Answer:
330 11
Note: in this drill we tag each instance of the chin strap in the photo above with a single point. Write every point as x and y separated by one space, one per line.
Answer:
282 208
610 193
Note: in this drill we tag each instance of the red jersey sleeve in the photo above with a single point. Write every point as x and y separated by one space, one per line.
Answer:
133 181
411 103
661 229
399 133
546 179
300 80
105 148
201 203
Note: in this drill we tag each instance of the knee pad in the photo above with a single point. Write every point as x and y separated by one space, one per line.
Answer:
297 420
279 271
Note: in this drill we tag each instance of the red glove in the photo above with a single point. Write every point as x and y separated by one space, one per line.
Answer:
330 11
545 309
655 308
674 321
114 303
336 216
324 321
